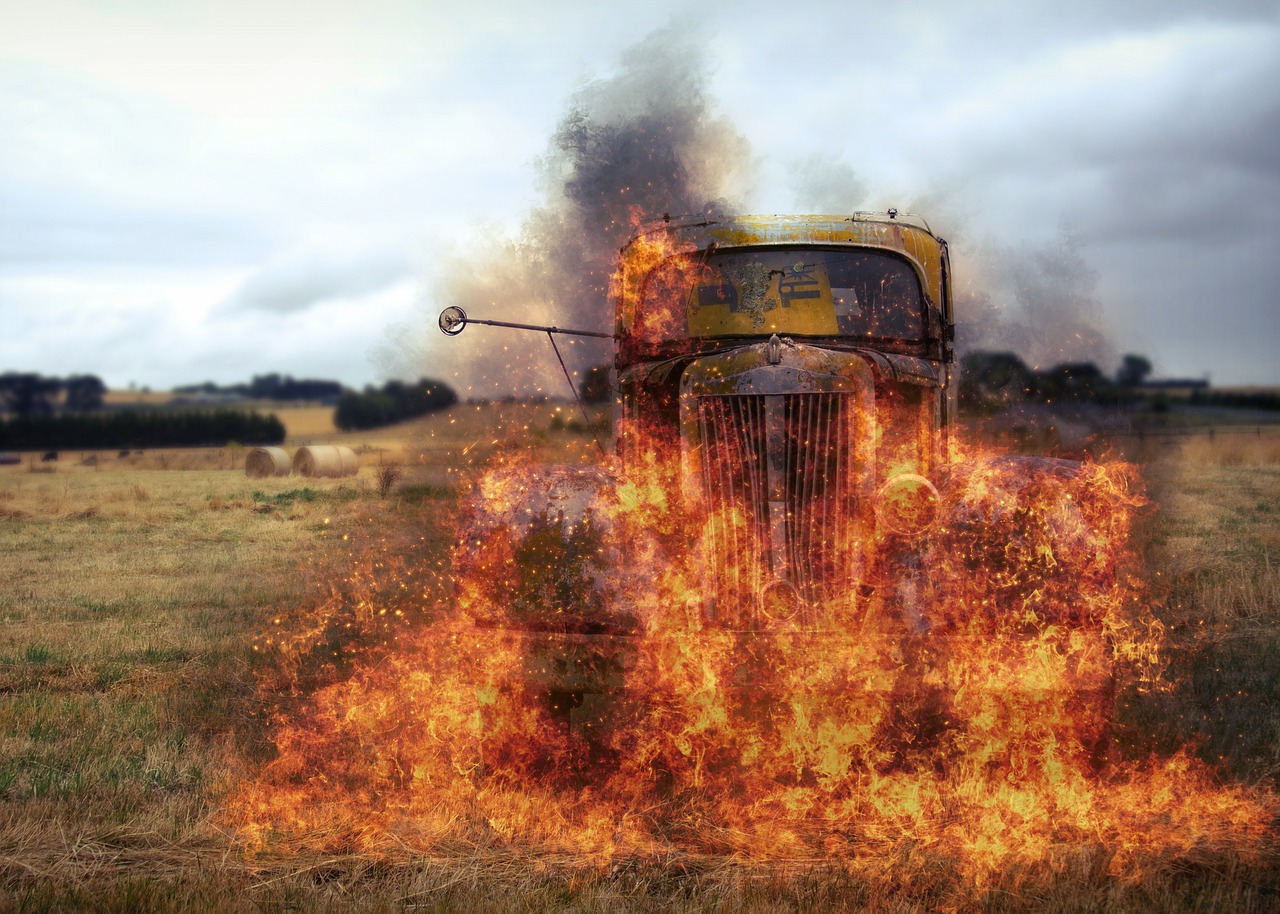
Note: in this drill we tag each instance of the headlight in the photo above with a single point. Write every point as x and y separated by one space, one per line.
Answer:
907 504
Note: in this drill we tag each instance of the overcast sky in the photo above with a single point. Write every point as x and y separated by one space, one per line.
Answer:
212 190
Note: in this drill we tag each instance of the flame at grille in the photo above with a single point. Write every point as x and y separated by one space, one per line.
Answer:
779 486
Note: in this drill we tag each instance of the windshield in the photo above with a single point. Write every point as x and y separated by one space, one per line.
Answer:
798 291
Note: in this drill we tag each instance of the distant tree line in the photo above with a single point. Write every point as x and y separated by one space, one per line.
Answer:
394 402
31 394
991 380
138 429
271 387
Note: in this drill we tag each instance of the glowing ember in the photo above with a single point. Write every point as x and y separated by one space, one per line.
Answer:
978 739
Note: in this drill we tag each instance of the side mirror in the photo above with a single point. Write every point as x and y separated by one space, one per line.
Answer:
452 320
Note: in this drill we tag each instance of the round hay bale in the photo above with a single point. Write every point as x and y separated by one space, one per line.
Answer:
350 462
325 460
266 461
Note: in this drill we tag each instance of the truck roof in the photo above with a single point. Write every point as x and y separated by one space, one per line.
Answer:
781 229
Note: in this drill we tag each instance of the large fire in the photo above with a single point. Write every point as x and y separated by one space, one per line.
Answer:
967 722
571 694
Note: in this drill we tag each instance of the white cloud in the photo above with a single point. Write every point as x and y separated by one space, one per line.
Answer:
311 274
305 164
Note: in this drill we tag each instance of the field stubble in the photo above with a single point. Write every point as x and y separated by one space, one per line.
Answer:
128 708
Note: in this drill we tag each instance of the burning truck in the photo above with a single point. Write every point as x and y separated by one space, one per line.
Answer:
787 490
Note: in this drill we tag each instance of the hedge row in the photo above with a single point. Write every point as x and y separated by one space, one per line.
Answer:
395 402
139 429
270 387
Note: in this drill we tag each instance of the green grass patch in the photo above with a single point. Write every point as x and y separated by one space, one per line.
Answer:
424 491
111 672
306 494
37 654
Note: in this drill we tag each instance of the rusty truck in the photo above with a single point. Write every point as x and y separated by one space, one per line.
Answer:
788 381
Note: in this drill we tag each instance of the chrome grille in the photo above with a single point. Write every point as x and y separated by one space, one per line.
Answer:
734 485
821 503
778 485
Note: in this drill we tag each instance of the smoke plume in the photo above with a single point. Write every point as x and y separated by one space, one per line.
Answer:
648 140
823 184
642 142
1038 301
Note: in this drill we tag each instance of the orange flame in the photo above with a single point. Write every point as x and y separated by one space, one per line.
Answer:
658 272
975 728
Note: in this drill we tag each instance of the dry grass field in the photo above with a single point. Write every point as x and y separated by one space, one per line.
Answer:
133 589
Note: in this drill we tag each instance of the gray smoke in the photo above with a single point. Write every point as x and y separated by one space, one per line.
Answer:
633 146
1038 301
823 184
648 140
